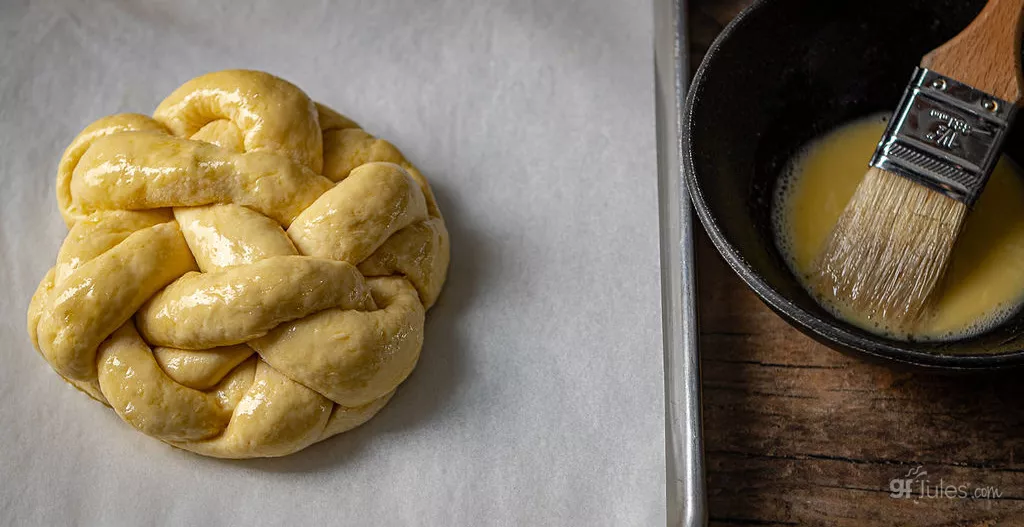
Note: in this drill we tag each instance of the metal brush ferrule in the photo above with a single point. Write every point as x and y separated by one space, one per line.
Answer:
945 135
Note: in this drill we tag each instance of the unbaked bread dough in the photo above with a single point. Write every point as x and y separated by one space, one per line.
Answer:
246 272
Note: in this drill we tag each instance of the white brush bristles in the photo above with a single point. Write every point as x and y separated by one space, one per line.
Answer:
890 248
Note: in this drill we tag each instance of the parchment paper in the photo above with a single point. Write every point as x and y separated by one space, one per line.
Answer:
538 399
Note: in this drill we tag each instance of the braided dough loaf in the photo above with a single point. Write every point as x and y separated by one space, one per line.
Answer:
246 272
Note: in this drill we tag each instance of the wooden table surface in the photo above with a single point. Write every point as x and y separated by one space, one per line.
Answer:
798 434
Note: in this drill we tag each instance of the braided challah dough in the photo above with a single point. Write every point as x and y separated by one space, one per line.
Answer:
246 272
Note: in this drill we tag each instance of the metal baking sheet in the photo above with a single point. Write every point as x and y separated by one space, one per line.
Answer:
539 396
684 451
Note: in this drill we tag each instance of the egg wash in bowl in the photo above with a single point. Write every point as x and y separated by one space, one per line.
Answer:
984 284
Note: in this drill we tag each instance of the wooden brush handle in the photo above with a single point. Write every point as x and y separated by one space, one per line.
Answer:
986 55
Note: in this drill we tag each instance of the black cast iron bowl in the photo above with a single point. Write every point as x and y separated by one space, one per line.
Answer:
782 73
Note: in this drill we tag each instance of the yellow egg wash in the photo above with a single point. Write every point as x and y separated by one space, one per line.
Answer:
985 281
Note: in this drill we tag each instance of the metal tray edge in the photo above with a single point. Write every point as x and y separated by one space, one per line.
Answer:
684 448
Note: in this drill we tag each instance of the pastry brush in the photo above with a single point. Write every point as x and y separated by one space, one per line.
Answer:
889 251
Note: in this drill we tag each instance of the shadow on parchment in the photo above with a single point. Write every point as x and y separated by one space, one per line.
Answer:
441 367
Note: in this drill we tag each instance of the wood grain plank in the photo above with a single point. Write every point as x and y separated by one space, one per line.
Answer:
799 434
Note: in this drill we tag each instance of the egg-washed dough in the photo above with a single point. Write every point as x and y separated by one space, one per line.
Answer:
246 272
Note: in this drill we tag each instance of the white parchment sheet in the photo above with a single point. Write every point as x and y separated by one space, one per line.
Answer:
538 399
